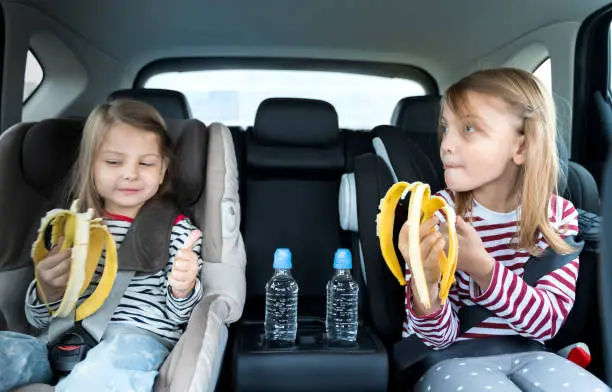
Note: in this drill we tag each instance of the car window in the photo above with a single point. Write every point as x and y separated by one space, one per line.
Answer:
232 96
543 72
34 75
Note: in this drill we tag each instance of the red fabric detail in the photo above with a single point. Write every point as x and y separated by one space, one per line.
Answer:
118 217
179 218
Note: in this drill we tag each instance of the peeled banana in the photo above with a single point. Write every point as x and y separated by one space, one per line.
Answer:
422 206
87 237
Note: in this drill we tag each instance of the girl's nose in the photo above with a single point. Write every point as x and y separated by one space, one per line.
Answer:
448 144
130 173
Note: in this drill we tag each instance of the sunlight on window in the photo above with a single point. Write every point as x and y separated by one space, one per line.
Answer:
543 72
233 96
33 75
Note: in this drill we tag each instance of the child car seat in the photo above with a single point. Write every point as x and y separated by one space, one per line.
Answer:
38 157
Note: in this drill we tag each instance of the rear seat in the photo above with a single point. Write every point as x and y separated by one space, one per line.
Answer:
296 157
294 162
207 189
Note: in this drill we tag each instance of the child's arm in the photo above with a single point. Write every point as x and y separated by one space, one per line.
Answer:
179 305
439 329
36 312
535 312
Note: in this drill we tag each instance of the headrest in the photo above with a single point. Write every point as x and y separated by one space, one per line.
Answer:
405 158
190 138
295 159
169 103
563 165
49 150
417 114
296 122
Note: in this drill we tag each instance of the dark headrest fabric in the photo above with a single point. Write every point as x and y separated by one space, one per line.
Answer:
563 165
169 103
296 122
191 147
296 159
49 150
417 114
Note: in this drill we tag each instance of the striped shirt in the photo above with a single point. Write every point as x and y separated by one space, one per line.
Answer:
147 302
536 312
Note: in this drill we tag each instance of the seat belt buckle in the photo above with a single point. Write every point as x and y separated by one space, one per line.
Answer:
64 357
70 349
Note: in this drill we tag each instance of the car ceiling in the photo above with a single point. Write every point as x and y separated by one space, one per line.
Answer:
422 33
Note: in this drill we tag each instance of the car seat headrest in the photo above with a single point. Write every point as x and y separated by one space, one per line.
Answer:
563 165
417 114
49 150
169 103
296 122
190 138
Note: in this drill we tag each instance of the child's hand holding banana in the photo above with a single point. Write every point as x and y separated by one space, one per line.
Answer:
421 245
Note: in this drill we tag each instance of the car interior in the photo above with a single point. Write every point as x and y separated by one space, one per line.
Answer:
290 121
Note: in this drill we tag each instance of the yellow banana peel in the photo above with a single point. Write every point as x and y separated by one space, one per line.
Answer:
422 206
87 237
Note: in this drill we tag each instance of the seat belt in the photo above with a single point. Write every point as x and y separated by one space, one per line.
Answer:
68 343
96 323
535 269
143 252
412 351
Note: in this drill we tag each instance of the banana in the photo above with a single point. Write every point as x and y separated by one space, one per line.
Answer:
87 237
422 206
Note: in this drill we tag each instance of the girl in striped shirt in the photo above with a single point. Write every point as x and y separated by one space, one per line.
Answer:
498 147
123 163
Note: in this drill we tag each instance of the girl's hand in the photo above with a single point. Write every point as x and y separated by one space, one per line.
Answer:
53 273
185 268
432 243
473 258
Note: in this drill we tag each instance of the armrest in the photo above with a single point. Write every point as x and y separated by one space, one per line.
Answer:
226 281
195 362
309 365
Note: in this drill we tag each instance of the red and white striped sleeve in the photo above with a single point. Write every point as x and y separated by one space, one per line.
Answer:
437 330
536 312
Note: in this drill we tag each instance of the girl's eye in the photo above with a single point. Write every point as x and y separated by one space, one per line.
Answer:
444 129
469 129
112 162
146 164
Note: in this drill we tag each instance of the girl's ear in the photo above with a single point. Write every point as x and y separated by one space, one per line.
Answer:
520 151
164 169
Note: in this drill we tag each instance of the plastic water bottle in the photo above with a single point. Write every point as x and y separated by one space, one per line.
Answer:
281 301
341 322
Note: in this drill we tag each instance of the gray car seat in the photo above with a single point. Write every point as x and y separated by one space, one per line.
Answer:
37 159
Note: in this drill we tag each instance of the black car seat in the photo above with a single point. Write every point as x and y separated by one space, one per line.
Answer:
418 117
399 157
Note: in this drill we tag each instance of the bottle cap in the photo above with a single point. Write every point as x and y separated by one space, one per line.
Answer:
282 258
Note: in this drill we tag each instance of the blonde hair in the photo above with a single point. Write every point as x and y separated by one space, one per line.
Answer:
530 101
134 113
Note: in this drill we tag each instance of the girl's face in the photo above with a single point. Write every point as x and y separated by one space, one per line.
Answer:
128 169
483 149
